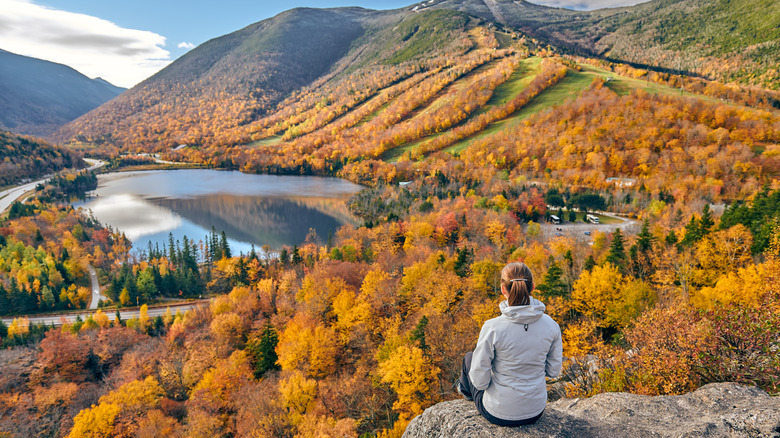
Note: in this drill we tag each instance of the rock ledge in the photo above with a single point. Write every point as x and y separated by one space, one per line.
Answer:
714 410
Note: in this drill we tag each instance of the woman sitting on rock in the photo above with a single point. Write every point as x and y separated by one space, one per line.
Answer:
515 351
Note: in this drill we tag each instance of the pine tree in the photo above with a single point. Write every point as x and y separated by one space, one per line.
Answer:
692 232
418 334
706 222
223 243
552 283
644 238
589 264
296 256
617 250
262 350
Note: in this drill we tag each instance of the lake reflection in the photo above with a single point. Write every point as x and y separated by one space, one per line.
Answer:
250 209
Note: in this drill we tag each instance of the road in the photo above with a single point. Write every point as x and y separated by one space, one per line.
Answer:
7 197
93 280
154 312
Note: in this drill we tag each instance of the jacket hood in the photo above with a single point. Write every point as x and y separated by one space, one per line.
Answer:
523 314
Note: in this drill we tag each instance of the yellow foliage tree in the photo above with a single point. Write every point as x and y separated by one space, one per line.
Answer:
350 310
722 252
745 287
298 394
228 329
412 377
605 295
307 346
19 327
101 319
125 404
322 426
96 422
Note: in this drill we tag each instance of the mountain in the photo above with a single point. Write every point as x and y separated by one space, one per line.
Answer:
238 78
347 91
37 97
727 40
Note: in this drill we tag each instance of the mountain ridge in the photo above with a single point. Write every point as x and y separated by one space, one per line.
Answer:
280 95
38 96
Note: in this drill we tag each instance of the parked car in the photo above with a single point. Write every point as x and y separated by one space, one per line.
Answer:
587 233
558 234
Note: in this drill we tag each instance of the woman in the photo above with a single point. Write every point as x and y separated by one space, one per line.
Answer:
515 351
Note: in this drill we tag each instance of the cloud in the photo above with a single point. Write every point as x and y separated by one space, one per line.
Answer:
185 45
587 5
93 46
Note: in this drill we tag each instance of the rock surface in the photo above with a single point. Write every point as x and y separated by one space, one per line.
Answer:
714 410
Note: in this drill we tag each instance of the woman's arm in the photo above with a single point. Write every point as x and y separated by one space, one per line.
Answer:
482 360
552 366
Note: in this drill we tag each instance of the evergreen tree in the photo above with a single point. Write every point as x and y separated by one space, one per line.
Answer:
296 256
284 257
589 264
462 262
671 238
692 232
262 350
552 283
5 303
617 251
639 253
706 222
241 276
418 334
171 250
644 238
223 244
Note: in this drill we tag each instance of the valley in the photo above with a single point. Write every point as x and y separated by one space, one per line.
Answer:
358 179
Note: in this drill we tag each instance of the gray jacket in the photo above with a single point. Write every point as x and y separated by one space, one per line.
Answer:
514 353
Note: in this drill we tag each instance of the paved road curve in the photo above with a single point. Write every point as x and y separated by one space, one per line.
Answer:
7 197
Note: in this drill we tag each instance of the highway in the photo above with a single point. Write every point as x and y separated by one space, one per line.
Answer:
7 197
154 312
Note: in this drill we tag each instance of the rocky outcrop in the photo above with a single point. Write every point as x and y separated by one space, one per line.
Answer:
714 410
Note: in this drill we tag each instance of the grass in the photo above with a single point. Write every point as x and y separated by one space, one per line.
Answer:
522 76
567 90
564 91
623 85
525 73
268 141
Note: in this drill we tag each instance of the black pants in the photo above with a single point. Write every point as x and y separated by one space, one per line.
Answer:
476 394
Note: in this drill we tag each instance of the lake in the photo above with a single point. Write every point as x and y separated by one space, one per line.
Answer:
251 209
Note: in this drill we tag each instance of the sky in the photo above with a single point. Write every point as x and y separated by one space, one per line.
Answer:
126 41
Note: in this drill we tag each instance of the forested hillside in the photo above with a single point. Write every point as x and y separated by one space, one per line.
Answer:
23 157
726 40
37 97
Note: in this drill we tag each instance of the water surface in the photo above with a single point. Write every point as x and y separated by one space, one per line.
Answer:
251 209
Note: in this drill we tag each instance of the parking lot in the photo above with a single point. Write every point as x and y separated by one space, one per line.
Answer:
578 229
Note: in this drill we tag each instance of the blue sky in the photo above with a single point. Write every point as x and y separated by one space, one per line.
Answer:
126 41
